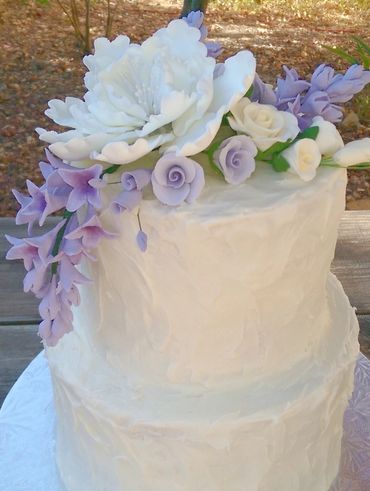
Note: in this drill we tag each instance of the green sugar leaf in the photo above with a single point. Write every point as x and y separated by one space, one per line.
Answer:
310 133
279 163
275 148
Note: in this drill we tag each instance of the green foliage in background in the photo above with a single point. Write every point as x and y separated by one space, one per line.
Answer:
361 57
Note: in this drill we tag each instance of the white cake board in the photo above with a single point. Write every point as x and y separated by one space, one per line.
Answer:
27 434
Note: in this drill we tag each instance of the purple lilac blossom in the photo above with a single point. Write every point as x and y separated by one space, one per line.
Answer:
289 87
86 184
176 179
295 108
235 158
32 207
196 19
214 49
34 249
263 93
318 104
69 275
90 232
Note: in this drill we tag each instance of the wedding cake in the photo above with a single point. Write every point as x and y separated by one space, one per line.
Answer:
216 352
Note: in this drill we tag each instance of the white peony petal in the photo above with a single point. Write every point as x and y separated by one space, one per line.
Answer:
106 53
204 93
53 136
181 39
60 111
172 106
78 148
121 153
235 80
353 153
199 136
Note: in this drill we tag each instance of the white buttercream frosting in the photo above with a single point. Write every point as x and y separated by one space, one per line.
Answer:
222 358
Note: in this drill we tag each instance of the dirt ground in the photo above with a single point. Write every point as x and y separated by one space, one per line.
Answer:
40 60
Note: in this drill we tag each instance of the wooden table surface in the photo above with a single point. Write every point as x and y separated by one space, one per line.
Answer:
19 317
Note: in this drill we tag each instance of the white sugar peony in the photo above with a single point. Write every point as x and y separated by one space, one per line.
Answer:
303 158
328 139
356 152
164 93
264 123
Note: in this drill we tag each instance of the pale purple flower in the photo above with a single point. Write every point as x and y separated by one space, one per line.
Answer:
32 207
263 93
318 104
235 158
289 87
32 249
343 88
295 108
176 179
90 232
52 330
214 49
69 275
195 19
136 179
340 88
36 280
322 77
142 240
86 184
50 303
132 183
126 200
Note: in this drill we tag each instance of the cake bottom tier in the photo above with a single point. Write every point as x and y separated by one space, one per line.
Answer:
282 434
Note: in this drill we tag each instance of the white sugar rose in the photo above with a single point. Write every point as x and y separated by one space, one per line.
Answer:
263 123
353 153
328 140
303 158
163 94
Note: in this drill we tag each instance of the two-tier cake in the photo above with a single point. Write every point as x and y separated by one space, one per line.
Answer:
196 338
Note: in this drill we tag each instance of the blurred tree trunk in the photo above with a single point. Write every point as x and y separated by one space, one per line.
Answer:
87 37
193 6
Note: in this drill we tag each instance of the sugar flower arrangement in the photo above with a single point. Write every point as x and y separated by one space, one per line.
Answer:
169 98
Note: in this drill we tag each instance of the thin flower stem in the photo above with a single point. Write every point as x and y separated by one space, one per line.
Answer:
67 215
139 221
110 170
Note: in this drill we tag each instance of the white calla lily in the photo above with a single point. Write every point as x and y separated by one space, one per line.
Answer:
163 94
353 153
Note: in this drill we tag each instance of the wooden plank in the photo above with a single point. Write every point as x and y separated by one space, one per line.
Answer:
352 258
18 346
15 306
